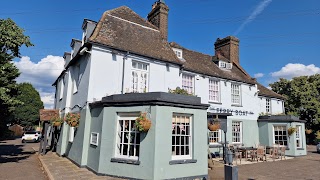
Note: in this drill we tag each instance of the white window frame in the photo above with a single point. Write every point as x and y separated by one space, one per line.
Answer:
189 136
76 78
222 64
228 65
61 88
71 134
188 83
212 89
91 138
212 137
268 106
234 95
139 83
284 129
237 125
178 52
298 136
123 117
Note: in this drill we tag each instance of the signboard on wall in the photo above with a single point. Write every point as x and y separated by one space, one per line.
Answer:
48 114
234 112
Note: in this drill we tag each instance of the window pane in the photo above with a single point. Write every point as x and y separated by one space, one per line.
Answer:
181 134
128 139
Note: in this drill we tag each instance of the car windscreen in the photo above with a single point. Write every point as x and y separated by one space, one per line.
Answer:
30 133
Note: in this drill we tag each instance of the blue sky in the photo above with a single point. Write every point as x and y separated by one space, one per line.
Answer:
277 38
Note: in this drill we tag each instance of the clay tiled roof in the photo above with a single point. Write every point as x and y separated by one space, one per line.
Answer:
263 91
203 63
123 29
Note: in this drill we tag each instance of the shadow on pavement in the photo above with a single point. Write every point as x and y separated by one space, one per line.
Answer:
13 153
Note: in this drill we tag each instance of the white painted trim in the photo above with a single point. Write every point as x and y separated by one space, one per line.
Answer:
91 137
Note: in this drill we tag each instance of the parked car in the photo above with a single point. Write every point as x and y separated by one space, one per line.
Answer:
318 147
31 136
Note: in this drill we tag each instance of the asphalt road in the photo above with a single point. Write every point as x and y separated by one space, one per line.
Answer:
19 161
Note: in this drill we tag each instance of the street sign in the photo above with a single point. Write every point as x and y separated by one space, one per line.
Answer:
48 114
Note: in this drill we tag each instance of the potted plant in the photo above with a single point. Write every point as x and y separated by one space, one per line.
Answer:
291 130
308 131
142 123
72 119
213 126
56 121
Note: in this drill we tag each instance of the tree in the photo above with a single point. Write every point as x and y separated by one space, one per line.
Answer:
303 98
11 40
27 114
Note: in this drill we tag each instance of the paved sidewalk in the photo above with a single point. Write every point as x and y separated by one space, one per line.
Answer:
59 168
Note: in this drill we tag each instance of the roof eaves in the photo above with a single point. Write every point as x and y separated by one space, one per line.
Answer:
115 48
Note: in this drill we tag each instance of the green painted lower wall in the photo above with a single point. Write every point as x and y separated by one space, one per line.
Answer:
93 152
250 134
292 144
162 169
108 145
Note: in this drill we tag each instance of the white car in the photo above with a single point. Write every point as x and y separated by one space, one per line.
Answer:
31 136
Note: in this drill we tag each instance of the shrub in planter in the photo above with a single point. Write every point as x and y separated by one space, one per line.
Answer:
308 131
291 130
56 121
142 123
72 119
213 126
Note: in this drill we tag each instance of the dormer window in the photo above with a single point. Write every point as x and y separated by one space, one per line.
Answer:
225 65
178 52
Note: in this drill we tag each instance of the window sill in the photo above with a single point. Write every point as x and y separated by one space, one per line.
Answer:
125 161
185 161
212 102
300 148
215 145
236 105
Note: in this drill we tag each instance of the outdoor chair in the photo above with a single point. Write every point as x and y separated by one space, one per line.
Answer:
275 152
261 153
282 152
237 154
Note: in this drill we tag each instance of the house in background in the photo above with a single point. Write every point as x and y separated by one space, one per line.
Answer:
123 53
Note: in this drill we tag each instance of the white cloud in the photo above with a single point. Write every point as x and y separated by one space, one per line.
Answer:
294 70
258 75
41 75
258 10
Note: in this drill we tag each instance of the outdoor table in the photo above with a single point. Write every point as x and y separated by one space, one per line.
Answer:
245 150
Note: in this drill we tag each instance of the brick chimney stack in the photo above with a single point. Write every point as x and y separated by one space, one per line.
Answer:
229 48
159 17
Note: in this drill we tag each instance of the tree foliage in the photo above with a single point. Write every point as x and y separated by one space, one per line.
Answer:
11 40
28 113
303 98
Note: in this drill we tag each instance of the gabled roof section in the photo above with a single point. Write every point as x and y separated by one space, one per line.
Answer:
123 29
263 91
203 64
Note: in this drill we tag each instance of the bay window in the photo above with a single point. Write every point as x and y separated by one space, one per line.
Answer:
181 136
280 135
128 137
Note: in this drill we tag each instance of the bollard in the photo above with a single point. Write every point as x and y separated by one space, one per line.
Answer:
230 172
